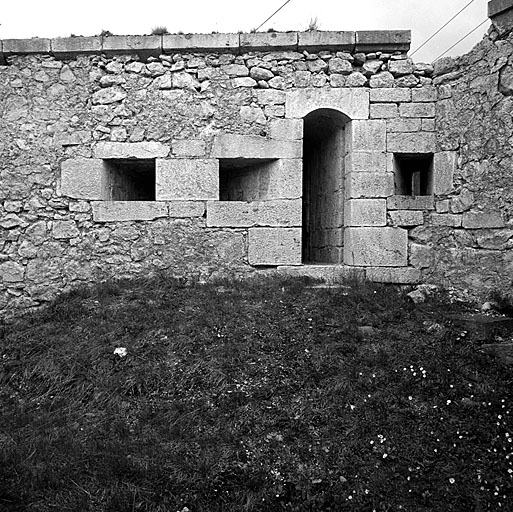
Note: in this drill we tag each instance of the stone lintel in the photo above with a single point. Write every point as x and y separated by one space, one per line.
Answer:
400 275
144 46
376 247
67 47
140 150
353 102
253 146
274 246
187 179
423 142
200 42
237 214
316 40
26 46
383 40
257 41
120 211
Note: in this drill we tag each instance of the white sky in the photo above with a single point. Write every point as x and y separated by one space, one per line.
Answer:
60 18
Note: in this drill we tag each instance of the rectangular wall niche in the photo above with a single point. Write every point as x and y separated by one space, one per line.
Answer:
245 179
130 179
413 174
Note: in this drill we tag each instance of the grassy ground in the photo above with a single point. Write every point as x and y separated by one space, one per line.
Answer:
257 396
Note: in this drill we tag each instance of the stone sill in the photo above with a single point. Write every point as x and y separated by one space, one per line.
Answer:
389 41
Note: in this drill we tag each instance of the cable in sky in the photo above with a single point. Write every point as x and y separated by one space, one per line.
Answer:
440 29
464 37
275 12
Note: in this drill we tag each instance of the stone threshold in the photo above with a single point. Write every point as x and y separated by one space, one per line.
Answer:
389 41
333 274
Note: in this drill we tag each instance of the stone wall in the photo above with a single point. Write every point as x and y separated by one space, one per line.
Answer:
194 120
469 237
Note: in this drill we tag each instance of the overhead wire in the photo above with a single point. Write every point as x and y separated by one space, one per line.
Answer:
460 40
273 14
441 28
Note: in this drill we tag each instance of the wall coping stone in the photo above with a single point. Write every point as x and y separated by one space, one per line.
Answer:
496 7
154 45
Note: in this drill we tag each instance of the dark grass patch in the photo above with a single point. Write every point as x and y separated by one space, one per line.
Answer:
258 395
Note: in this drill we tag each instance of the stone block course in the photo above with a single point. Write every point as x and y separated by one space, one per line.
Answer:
251 146
120 211
187 179
404 125
273 213
390 95
202 42
83 178
482 220
401 275
406 218
26 46
263 40
366 135
368 185
286 129
317 40
382 40
445 219
444 165
186 209
411 142
365 212
375 247
417 110
424 94
274 246
143 46
141 150
68 47
383 111
411 203
365 161
189 148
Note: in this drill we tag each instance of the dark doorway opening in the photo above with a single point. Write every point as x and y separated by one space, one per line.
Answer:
323 186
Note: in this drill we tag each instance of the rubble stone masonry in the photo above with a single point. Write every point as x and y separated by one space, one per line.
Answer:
186 154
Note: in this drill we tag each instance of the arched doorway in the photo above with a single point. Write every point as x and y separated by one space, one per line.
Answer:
323 186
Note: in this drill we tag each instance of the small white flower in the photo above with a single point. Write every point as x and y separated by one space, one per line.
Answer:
120 351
